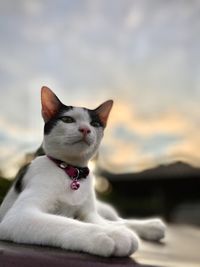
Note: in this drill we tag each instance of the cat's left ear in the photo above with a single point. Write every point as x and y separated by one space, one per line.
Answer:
103 111
50 103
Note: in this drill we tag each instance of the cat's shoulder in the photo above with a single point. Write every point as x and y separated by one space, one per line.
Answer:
28 170
41 164
40 160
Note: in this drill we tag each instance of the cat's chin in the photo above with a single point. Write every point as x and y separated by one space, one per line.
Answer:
82 142
80 147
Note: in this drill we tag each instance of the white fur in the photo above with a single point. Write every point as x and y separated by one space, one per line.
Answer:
48 212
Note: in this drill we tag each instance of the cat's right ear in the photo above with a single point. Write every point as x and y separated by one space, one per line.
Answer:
50 103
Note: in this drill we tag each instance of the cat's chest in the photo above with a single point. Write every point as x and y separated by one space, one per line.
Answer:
57 185
65 194
74 197
63 208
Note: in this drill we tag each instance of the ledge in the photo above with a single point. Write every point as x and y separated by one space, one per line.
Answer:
180 248
12 255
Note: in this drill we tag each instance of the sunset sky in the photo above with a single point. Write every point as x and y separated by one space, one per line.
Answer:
144 54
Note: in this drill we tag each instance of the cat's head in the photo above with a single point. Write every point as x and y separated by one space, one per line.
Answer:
72 134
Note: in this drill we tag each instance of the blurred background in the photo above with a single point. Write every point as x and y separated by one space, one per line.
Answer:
145 55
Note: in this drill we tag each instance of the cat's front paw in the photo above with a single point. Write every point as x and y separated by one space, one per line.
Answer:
153 230
126 242
102 245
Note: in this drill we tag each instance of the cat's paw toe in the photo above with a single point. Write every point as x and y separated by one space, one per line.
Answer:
126 242
154 230
103 245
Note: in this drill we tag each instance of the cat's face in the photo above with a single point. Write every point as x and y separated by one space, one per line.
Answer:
72 134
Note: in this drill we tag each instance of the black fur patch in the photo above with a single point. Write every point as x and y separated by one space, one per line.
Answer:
51 123
39 152
95 117
19 178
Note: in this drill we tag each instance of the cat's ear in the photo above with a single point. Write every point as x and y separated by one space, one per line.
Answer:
50 103
103 111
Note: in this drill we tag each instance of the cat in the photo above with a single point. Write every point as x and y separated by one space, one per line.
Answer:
53 200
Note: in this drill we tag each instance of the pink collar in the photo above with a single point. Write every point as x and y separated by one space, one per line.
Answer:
75 173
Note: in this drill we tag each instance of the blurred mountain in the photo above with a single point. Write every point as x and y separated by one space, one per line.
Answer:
170 171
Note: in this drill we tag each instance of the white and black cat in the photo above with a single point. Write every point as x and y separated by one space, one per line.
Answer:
53 203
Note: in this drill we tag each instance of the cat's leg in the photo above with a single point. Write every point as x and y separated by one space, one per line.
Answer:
149 229
36 227
32 226
126 241
106 211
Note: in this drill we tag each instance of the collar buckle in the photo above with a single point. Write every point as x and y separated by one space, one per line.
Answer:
63 165
78 172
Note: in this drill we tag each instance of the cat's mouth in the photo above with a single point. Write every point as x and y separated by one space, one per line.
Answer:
83 141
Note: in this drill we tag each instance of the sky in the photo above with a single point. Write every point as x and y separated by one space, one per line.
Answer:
143 54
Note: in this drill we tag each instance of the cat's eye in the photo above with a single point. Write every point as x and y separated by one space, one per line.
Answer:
95 124
67 119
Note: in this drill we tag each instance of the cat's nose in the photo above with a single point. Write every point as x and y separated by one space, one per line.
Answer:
84 130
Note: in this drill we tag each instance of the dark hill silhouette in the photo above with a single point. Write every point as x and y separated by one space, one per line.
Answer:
170 171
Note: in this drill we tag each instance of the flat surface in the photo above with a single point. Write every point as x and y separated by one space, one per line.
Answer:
180 248
13 255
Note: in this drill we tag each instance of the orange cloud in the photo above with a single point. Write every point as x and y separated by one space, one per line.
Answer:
129 156
170 122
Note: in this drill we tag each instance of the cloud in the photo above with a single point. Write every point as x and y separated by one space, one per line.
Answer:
127 116
134 143
188 149
15 141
